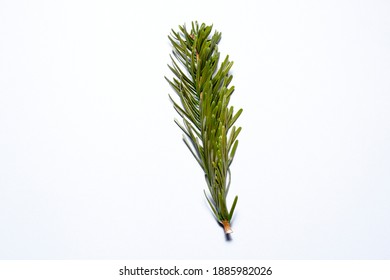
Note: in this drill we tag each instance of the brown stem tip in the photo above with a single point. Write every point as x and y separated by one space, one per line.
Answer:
226 227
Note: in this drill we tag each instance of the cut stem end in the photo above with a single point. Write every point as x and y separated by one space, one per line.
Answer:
226 227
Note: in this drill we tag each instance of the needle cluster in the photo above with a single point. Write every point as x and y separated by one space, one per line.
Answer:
203 87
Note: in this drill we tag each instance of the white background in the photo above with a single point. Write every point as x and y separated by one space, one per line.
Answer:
92 165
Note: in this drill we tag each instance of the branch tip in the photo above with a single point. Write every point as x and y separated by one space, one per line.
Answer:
226 227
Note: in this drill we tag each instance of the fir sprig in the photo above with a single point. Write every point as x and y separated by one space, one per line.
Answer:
202 85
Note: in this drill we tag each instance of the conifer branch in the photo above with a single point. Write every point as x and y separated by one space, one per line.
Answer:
204 91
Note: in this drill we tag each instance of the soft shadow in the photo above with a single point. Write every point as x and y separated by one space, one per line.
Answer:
228 237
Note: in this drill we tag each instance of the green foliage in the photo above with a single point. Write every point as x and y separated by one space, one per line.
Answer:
202 85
